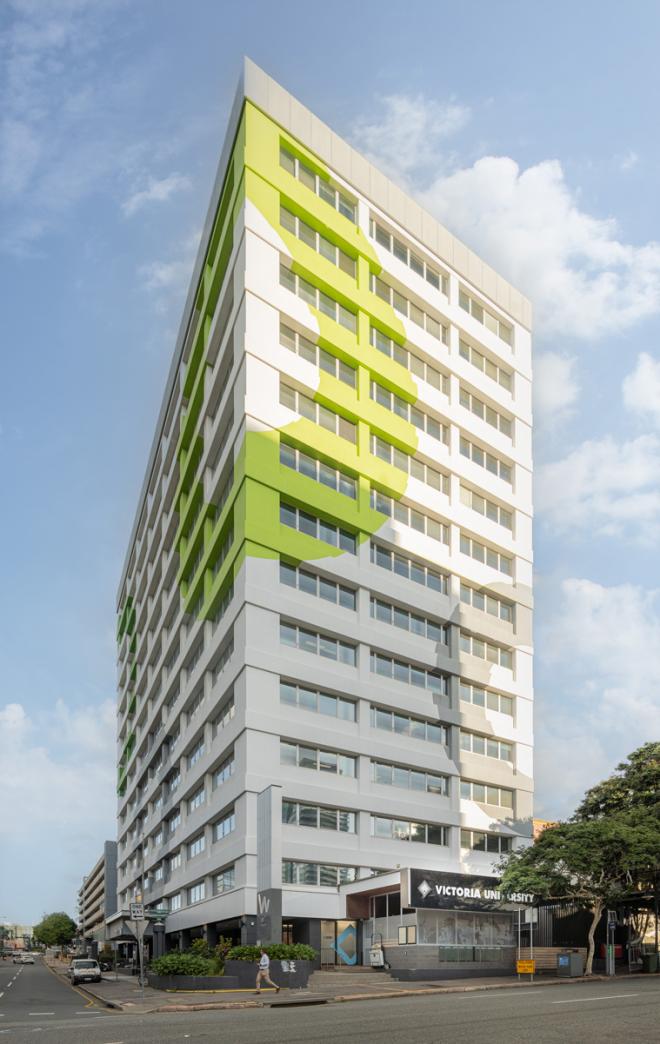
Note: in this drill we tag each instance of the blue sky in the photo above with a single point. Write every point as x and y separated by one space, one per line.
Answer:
528 129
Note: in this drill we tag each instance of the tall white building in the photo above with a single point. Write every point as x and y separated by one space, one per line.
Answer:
325 660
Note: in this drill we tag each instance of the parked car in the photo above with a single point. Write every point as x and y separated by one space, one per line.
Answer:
17 958
84 970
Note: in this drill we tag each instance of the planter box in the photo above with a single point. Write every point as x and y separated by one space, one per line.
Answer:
290 974
192 982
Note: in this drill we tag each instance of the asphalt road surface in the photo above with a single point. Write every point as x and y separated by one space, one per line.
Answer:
600 1012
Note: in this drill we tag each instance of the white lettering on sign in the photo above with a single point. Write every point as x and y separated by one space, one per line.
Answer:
492 894
263 904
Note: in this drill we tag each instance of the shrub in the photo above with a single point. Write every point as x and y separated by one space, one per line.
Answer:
276 951
200 948
176 963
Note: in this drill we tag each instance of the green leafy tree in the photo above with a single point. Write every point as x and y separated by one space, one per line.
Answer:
55 929
593 863
633 789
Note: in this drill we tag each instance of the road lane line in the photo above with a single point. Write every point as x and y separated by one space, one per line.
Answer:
41 1012
585 1000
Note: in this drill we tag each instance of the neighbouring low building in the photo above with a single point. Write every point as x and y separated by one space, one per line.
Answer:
97 898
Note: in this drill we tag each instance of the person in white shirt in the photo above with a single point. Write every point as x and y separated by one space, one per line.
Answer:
263 972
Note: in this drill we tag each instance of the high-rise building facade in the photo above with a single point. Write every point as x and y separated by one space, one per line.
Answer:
325 661
97 898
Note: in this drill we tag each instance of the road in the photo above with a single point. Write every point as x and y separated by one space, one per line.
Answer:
602 1012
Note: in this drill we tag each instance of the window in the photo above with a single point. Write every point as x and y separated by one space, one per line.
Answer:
480 409
388 612
419 265
404 830
226 715
224 826
320 760
225 880
407 934
315 874
316 241
389 775
318 184
478 841
196 753
414 467
195 704
296 813
487 603
486 794
318 528
408 673
196 846
225 771
485 698
412 362
220 555
316 413
408 308
175 902
194 657
197 892
317 700
174 821
197 799
175 861
484 650
405 725
224 603
488 555
310 583
488 319
159 873
318 643
486 460
311 295
483 506
409 568
487 746
409 516
483 363
407 411
315 469
312 353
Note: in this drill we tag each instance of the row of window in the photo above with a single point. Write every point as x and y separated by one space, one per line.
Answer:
409 516
488 508
480 409
417 469
321 875
317 413
319 644
408 568
314 758
388 612
296 813
311 295
310 583
486 460
408 673
482 315
317 700
487 603
312 353
497 654
486 746
487 794
412 362
479 697
404 306
407 725
483 363
409 257
318 528
395 404
308 235
479 841
321 186
316 469
488 555
404 830
389 775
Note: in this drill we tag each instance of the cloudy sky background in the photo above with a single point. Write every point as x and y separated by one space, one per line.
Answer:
529 131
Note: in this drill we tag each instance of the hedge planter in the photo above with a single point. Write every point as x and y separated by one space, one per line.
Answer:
193 982
290 973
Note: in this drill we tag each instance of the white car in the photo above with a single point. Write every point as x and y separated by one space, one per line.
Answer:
27 958
84 970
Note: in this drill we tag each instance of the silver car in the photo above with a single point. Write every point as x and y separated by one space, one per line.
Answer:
84 970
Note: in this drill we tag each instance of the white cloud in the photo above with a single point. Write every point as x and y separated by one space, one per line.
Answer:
641 388
556 388
582 278
174 274
156 191
600 657
628 161
604 487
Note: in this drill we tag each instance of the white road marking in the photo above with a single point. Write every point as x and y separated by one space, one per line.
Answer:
41 1012
585 1000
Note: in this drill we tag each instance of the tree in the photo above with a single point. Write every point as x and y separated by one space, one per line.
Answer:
593 863
55 929
634 788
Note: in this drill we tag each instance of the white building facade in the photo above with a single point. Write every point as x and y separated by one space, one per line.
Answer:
325 617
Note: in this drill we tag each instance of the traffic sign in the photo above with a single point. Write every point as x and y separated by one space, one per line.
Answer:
137 911
525 967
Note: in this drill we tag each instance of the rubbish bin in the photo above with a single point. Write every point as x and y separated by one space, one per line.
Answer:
649 962
570 965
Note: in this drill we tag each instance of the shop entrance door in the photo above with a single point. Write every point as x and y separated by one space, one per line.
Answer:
338 943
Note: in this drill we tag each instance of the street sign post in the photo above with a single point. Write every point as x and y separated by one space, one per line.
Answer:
137 911
526 968
136 915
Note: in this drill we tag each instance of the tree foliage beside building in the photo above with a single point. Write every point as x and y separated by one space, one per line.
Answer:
55 929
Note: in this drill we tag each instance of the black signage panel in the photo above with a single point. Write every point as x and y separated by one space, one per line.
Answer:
434 890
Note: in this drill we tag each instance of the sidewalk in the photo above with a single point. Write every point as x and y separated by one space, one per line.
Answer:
124 994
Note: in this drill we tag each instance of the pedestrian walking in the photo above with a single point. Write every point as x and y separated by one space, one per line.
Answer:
263 972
